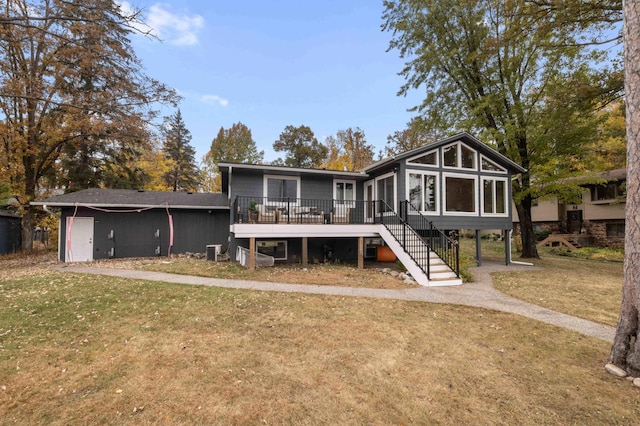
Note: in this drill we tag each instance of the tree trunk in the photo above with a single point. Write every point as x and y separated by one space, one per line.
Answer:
625 351
529 247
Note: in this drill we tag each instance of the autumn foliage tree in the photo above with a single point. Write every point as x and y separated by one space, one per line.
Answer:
348 150
71 90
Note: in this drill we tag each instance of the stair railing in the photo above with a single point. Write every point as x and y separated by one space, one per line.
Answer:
445 246
418 236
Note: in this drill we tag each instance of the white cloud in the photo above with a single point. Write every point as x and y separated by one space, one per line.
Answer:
177 29
214 99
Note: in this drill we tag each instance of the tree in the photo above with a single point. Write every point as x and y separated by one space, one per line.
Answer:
235 145
183 174
70 84
348 150
414 136
625 351
301 146
496 68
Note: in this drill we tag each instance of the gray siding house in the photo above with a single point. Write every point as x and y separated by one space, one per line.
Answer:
412 203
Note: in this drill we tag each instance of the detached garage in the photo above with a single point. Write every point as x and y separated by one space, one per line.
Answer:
117 223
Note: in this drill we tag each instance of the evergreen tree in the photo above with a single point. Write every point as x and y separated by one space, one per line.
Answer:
183 174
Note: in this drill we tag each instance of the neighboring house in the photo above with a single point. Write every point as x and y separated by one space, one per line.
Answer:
10 232
117 223
412 204
600 215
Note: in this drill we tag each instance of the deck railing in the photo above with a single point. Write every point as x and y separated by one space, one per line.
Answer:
414 231
248 209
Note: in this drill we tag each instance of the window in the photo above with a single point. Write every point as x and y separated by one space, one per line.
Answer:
494 196
277 249
608 191
279 188
460 195
423 191
386 193
459 156
615 230
344 191
490 166
430 159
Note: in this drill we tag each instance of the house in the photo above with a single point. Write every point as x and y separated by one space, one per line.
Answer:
599 216
118 223
409 206
412 203
10 232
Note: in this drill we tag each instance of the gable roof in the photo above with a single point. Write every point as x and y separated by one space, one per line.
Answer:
464 137
131 198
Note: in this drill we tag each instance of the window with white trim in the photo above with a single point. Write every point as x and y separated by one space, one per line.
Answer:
489 166
344 191
422 191
459 156
460 195
279 188
494 196
429 159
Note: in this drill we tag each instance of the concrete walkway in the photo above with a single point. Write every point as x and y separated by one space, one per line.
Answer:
479 293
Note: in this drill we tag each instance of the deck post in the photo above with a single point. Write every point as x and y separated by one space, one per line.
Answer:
252 254
478 247
305 252
360 252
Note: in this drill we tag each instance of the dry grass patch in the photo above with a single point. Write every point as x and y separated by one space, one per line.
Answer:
320 274
583 288
83 349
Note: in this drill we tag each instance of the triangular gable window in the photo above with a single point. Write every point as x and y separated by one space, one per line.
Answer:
429 159
490 166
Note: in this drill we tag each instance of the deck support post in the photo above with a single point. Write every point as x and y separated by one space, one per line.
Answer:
252 254
360 252
478 247
507 246
305 252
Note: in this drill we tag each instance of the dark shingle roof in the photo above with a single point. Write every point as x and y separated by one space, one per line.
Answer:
131 198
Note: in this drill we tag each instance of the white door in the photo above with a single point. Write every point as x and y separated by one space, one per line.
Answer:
79 239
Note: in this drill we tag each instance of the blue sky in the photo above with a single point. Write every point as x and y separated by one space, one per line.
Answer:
269 64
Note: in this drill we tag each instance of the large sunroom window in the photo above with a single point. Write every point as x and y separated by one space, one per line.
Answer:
460 195
423 192
459 156
494 196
